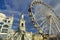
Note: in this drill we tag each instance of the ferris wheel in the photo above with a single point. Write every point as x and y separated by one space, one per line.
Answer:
44 18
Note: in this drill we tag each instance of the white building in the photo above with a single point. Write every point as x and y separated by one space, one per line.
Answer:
5 25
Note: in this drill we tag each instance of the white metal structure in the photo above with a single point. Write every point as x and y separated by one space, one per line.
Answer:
45 17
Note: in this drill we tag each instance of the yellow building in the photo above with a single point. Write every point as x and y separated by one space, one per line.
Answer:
28 36
37 37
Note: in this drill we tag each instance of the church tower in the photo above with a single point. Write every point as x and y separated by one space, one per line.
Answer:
22 24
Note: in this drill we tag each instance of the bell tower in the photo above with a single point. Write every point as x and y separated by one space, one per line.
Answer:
22 24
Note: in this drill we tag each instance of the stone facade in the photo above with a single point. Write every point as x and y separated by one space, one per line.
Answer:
37 37
5 25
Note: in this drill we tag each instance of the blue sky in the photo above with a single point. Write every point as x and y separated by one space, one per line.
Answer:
16 7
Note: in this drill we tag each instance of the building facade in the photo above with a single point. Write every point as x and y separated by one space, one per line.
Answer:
5 25
37 37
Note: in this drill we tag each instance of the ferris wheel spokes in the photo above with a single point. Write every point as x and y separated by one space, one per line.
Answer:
45 17
55 21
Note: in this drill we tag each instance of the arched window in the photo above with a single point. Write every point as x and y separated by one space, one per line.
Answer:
22 24
6 26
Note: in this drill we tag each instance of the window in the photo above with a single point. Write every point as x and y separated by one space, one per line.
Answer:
1 23
6 26
0 26
4 30
22 24
5 20
8 21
